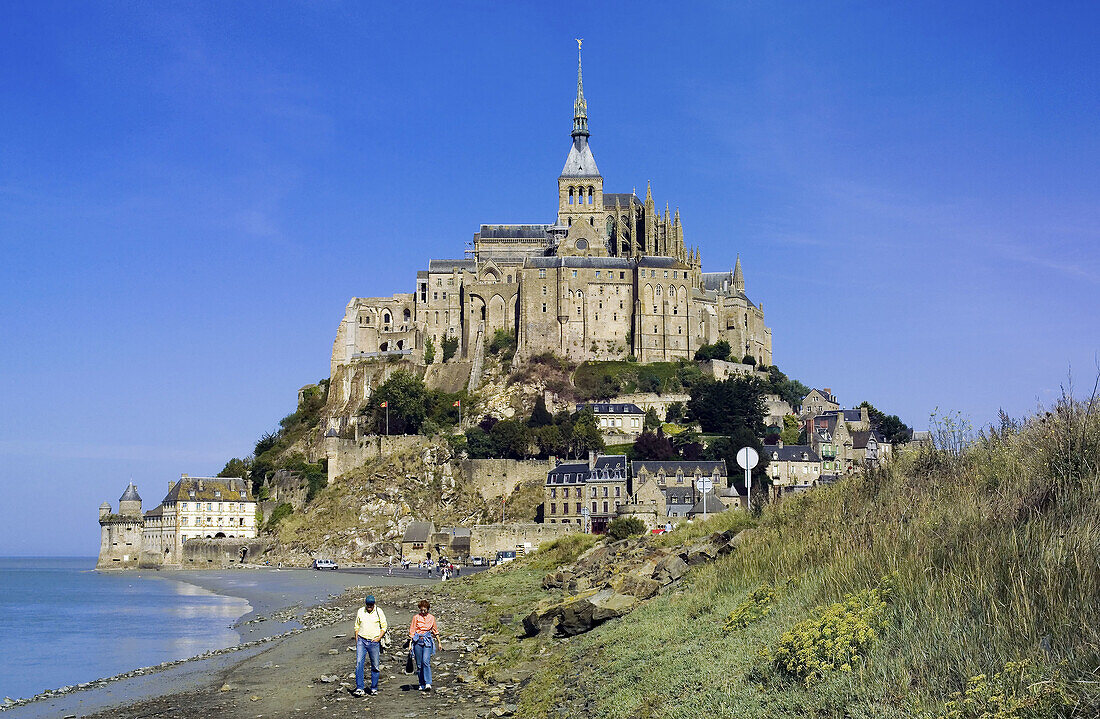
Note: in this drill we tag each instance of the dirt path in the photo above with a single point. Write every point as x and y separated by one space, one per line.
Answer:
285 680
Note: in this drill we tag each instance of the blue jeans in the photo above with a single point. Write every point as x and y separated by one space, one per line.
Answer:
423 658
364 647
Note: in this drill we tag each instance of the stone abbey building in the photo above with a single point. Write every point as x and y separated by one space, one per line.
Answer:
612 277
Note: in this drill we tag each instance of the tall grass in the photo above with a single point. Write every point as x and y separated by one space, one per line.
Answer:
995 555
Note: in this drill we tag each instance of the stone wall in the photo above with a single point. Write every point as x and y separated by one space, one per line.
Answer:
120 542
222 553
659 402
499 477
347 454
488 539
720 369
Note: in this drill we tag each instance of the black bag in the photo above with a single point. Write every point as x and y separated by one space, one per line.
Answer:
410 663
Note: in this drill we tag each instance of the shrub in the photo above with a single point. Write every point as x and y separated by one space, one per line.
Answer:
648 381
623 527
429 351
504 344
652 420
283 510
838 638
450 347
1020 691
756 606
749 360
720 350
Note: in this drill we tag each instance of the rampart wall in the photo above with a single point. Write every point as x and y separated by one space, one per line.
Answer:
222 553
488 539
347 454
499 477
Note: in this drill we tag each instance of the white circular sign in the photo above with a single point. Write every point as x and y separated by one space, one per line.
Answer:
747 457
704 485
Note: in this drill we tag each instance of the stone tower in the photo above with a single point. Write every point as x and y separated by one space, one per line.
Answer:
129 504
580 185
120 534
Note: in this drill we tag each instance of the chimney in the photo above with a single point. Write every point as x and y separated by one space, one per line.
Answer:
779 443
591 459
200 485
171 484
553 461
828 392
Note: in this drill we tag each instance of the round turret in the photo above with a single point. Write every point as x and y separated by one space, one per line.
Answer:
104 510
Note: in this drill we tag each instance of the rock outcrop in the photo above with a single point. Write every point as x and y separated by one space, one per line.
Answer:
611 580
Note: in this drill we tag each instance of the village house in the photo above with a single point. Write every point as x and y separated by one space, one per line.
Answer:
588 494
818 401
792 467
616 418
416 544
677 480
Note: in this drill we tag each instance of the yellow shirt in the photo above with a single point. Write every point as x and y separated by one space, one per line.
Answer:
370 625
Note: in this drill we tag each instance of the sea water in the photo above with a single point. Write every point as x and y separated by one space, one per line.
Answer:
62 622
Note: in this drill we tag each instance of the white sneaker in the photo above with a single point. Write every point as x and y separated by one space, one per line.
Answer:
427 687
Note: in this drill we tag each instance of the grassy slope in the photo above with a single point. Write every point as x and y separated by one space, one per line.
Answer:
997 558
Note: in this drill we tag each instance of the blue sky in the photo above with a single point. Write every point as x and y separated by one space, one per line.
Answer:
190 193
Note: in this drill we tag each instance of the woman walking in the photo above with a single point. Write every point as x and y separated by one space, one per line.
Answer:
424 638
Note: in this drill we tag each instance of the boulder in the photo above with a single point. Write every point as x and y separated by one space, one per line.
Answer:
578 614
700 553
639 587
669 569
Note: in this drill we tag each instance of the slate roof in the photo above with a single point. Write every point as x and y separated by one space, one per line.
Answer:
656 261
456 531
860 438
229 487
157 511
713 504
608 467
792 453
611 407
706 467
131 494
714 280
624 198
418 532
827 479
534 232
450 265
580 162
852 415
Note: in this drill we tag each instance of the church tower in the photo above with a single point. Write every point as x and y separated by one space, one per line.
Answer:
580 186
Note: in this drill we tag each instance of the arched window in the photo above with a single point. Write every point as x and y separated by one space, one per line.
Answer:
386 318
570 195
400 344
658 290
406 314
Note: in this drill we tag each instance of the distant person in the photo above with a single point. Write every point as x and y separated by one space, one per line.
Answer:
370 627
424 638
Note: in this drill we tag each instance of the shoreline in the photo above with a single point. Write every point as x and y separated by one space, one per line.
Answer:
282 603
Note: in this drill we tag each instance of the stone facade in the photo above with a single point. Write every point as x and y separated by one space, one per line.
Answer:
611 277
194 508
588 494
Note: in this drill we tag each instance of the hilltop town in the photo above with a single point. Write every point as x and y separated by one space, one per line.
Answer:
557 378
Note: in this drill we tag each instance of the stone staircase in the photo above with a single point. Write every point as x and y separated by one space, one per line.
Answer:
478 358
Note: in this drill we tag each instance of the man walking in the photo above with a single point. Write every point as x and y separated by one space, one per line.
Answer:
370 627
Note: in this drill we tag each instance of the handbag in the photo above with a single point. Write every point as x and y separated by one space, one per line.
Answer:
410 663
386 641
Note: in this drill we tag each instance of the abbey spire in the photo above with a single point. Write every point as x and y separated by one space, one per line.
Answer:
580 106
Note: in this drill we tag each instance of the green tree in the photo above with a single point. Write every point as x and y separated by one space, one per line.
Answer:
749 360
648 380
726 448
723 407
653 446
792 429
450 347
548 439
540 416
623 527
478 444
510 439
504 344
405 398
237 468
429 351
652 419
585 436
789 390
675 412
720 350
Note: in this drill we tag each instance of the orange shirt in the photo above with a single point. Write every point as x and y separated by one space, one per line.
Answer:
423 624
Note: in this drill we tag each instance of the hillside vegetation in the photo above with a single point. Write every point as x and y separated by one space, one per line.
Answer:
954 583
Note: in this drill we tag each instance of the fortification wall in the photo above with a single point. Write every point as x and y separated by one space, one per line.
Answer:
488 539
347 454
222 553
720 369
119 542
499 477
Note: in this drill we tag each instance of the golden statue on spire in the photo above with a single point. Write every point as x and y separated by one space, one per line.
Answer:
579 41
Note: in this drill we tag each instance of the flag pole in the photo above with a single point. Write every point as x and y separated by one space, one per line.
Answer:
387 419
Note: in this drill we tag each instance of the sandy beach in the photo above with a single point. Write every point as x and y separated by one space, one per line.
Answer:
280 602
